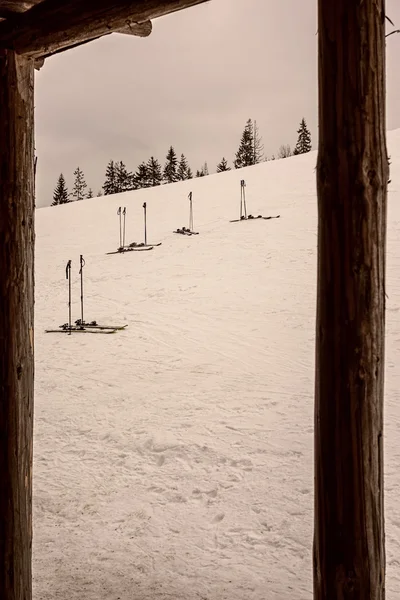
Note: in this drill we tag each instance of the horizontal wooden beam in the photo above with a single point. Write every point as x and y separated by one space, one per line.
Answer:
8 8
53 26
137 29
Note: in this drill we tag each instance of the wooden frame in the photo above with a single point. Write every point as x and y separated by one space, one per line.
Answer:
352 174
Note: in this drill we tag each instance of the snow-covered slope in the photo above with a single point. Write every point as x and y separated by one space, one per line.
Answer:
175 459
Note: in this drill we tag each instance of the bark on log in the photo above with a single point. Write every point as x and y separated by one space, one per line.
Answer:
352 174
52 26
16 324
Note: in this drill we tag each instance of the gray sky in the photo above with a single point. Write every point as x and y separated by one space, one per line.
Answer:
193 84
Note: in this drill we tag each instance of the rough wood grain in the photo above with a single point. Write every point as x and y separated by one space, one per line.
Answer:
16 6
16 324
54 25
352 174
138 29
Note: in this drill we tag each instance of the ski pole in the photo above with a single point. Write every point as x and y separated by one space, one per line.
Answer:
145 223
82 263
123 237
243 210
120 227
68 276
190 211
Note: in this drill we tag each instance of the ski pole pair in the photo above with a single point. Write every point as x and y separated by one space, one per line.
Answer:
68 276
121 213
122 224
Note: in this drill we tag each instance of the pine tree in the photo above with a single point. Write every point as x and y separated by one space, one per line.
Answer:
90 193
199 173
110 184
303 144
170 169
245 153
78 191
123 178
189 173
183 168
60 195
141 177
223 166
154 171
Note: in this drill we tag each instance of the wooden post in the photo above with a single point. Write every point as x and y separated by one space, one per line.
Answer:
16 324
352 174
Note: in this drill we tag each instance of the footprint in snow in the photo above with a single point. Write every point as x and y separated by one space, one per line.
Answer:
160 460
218 518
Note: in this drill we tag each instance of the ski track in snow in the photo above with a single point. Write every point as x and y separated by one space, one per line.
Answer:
175 459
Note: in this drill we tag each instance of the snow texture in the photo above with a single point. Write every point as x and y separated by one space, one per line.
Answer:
174 460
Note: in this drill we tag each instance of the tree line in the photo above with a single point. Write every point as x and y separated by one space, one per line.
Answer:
151 173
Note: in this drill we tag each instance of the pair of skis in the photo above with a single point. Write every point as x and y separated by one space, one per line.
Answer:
243 207
134 246
81 326
251 218
188 230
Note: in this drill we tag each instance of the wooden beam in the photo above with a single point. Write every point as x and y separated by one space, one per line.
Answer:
352 175
137 29
9 8
16 324
52 26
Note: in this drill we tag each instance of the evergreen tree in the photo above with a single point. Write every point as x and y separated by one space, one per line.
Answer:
245 153
110 184
60 195
141 177
78 191
183 168
303 144
223 166
154 171
123 178
189 173
90 193
199 173
99 193
171 166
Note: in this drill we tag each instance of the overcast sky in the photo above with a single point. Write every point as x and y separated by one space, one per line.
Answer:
193 84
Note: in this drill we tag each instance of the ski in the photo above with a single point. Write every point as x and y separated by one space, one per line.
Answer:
124 250
141 245
80 330
251 218
95 325
186 232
